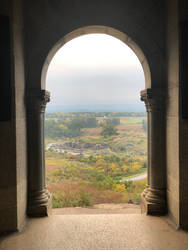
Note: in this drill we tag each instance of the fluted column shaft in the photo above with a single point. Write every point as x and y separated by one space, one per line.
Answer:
154 196
38 198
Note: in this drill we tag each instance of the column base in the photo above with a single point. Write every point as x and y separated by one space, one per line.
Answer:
153 202
145 191
39 204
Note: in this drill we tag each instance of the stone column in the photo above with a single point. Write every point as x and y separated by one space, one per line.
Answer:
153 198
39 199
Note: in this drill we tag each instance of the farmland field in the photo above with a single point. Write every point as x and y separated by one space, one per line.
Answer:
90 156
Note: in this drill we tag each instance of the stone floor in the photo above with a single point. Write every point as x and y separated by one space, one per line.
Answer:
97 232
106 208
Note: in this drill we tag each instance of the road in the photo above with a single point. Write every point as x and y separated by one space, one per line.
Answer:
136 178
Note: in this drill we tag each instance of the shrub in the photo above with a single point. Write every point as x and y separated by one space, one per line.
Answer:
128 185
84 199
119 188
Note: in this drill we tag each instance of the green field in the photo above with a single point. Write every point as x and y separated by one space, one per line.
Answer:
85 166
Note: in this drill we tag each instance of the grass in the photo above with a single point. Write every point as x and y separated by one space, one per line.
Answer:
76 194
75 181
132 120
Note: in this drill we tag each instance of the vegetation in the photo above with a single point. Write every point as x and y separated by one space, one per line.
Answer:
89 157
109 130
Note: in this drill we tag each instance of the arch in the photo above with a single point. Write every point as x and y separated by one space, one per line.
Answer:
101 30
153 199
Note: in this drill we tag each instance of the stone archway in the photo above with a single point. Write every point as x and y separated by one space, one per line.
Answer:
100 30
154 196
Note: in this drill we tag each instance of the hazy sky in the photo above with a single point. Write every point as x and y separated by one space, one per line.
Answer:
95 69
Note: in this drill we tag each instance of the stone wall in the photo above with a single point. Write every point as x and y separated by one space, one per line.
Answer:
47 22
183 124
176 118
172 113
20 113
13 148
33 37
8 213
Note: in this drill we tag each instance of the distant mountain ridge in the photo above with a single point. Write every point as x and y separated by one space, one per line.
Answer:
96 108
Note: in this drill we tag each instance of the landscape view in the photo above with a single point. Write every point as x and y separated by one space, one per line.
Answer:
95 124
95 157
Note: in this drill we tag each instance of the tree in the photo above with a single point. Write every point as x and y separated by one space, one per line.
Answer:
109 130
114 121
52 130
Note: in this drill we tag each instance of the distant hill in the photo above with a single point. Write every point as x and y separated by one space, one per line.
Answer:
97 108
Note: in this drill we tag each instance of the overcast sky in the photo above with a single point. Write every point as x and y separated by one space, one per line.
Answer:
95 69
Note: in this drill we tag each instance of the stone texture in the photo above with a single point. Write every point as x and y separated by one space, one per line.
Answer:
172 115
46 31
153 198
97 232
183 124
152 31
20 115
107 208
39 199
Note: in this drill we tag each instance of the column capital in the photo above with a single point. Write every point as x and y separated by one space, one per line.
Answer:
154 99
37 100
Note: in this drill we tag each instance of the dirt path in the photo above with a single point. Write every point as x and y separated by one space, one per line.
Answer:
107 208
138 177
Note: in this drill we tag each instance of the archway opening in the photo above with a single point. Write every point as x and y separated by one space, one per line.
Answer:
95 126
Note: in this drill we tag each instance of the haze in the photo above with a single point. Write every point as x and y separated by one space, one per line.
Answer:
95 70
